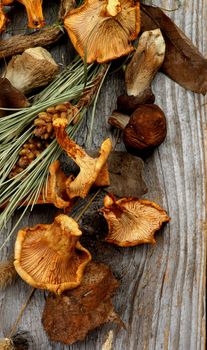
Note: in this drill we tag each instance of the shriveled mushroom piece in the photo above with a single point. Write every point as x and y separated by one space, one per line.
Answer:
132 221
103 30
69 317
33 69
56 188
50 256
3 19
90 168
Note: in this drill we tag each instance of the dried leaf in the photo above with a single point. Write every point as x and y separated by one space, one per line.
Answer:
183 62
69 317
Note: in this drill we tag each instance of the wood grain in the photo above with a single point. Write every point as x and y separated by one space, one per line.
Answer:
162 294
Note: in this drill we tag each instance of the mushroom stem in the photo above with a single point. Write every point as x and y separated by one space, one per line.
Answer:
34 13
145 63
113 8
119 120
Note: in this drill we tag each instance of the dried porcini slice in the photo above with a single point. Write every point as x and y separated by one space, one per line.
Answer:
90 168
69 317
103 30
132 221
50 256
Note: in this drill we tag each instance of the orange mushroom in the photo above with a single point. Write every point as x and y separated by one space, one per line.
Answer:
90 168
103 30
3 19
50 256
132 221
34 13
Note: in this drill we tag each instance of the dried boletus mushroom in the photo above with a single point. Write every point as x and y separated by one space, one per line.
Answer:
132 221
90 168
146 130
103 30
143 131
69 317
32 69
141 70
50 256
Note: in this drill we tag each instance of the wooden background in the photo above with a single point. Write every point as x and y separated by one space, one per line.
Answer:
162 287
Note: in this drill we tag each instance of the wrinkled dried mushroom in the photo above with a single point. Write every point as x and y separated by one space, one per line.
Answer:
132 221
56 188
103 30
33 69
50 256
69 317
90 168
34 13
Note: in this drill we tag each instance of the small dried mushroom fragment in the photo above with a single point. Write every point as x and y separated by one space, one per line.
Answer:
132 221
33 69
69 317
10 97
103 30
50 256
141 70
90 168
143 131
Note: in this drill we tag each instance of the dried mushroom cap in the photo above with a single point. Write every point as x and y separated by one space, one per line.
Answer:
69 317
34 13
90 168
50 256
132 221
103 30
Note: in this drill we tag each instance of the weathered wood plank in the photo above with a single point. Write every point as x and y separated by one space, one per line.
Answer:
162 293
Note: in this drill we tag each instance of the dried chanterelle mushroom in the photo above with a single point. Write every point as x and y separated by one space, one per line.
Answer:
50 256
90 168
69 317
34 11
3 18
103 30
132 221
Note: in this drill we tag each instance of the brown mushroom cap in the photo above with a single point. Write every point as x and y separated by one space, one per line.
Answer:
132 221
50 256
103 30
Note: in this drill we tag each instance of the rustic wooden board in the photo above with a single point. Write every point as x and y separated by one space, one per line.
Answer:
162 287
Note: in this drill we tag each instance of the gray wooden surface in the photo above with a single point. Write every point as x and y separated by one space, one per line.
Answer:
162 287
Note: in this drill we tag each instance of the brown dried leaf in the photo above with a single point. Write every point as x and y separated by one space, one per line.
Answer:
183 62
68 318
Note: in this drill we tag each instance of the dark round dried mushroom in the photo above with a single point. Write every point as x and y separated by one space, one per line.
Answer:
146 129
128 104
